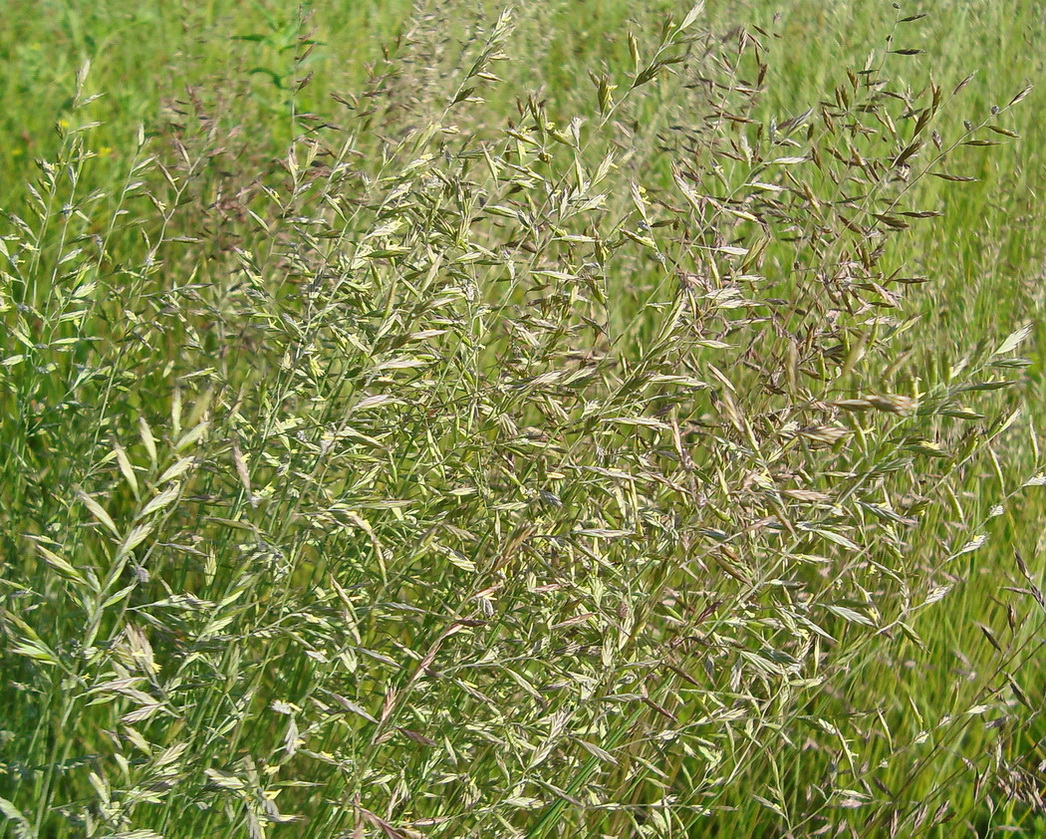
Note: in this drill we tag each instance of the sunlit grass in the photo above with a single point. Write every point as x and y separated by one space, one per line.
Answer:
529 430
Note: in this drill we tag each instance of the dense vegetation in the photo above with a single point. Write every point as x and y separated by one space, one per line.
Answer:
451 421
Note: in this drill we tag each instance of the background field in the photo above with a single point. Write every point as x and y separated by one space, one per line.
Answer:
423 422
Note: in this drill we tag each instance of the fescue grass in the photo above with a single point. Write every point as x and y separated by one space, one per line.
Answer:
622 424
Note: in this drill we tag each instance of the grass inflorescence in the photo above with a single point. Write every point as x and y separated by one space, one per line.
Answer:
526 441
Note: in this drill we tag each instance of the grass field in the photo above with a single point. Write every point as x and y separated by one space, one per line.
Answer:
584 419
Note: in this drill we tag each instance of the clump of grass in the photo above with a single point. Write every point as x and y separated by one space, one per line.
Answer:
466 476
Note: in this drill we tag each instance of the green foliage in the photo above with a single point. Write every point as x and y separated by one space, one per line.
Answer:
487 461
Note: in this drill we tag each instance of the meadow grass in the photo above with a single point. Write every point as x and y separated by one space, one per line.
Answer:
619 424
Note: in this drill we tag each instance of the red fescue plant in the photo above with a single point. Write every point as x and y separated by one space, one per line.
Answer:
464 475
